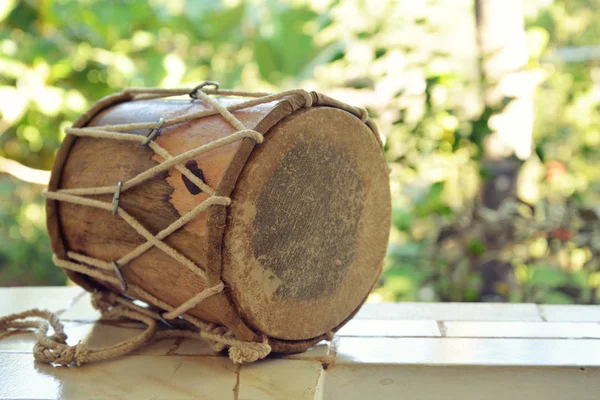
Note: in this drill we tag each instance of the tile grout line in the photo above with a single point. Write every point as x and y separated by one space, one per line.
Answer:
329 359
540 311
445 336
442 328
71 302
175 346
320 385
236 388
453 319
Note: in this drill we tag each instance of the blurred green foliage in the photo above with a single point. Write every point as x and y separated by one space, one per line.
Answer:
539 247
57 57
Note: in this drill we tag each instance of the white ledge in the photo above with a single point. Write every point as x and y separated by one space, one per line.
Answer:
402 350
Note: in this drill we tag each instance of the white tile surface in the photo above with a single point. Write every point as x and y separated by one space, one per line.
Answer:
275 379
48 298
468 351
318 351
94 334
23 342
389 328
137 377
523 329
450 311
81 309
483 351
194 348
572 313
360 382
199 347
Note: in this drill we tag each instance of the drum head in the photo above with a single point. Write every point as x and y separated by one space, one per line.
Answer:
308 226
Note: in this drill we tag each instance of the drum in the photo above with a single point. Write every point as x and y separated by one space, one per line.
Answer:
267 214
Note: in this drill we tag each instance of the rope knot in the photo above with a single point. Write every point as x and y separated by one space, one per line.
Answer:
249 351
61 355
363 114
308 99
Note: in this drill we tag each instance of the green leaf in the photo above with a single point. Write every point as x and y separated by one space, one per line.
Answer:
547 277
265 58
432 202
476 247
555 297
402 219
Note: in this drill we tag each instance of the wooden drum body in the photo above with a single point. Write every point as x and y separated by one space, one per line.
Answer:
299 247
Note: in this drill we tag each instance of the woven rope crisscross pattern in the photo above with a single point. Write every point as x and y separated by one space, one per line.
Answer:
53 349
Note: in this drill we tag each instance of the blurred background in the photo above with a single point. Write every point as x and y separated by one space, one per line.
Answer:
490 111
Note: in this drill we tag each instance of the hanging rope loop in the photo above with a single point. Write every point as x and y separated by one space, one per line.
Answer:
194 92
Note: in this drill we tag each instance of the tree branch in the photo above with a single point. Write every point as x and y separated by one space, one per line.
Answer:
24 173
